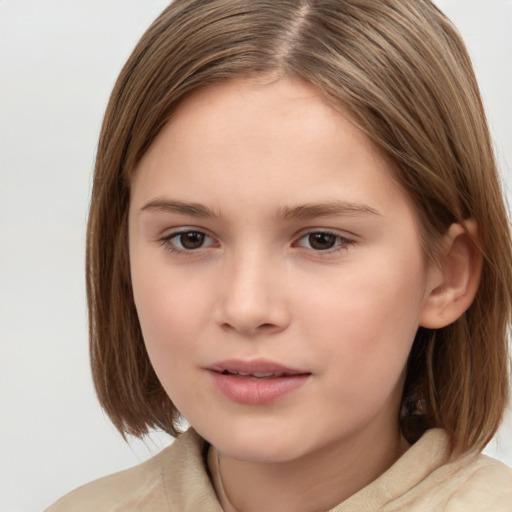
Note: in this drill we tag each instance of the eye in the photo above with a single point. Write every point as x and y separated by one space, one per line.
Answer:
323 241
185 241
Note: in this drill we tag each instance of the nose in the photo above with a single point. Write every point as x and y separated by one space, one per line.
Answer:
253 297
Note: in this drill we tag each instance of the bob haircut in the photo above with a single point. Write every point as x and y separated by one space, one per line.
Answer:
400 71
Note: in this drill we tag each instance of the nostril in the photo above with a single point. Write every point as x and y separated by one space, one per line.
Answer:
265 327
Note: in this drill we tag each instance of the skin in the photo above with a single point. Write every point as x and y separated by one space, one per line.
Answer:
249 150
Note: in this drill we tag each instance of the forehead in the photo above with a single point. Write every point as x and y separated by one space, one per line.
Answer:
248 138
247 100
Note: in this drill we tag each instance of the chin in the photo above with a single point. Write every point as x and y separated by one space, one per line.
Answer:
256 444
262 452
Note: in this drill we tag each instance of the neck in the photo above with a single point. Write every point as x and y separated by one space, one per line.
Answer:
315 482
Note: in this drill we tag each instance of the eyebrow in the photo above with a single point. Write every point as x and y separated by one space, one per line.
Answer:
313 210
193 209
305 211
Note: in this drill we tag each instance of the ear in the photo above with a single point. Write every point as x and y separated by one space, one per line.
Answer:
452 285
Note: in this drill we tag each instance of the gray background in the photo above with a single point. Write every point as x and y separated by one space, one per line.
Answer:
58 63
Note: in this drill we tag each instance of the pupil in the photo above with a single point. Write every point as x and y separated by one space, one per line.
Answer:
322 241
192 240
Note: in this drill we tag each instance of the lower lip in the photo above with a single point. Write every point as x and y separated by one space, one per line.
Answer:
256 391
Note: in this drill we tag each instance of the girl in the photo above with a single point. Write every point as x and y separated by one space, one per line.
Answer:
297 241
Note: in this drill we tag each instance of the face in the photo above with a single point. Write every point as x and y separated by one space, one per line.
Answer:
277 271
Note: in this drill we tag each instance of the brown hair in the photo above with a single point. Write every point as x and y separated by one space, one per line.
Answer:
401 71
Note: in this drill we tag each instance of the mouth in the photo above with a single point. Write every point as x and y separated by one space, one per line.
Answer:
258 375
256 382
258 368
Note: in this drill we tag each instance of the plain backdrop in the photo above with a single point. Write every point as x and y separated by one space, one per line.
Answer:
58 63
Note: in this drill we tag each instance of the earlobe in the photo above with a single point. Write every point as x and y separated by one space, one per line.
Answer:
453 285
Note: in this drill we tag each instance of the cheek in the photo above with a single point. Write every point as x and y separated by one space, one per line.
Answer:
170 320
365 322
171 311
384 297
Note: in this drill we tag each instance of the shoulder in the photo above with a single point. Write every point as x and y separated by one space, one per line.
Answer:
428 477
476 482
140 488
119 491
470 482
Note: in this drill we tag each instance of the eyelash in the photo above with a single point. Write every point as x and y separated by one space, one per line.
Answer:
340 242
169 245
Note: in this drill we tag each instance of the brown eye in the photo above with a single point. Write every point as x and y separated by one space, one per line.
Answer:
322 241
183 242
191 240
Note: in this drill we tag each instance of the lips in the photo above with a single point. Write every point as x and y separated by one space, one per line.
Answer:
238 366
256 382
257 375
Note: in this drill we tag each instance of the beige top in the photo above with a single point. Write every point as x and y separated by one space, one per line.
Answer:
422 480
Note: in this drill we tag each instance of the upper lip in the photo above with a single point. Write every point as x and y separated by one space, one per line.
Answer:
254 366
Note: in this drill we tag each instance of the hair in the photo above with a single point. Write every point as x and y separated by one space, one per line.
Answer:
402 73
